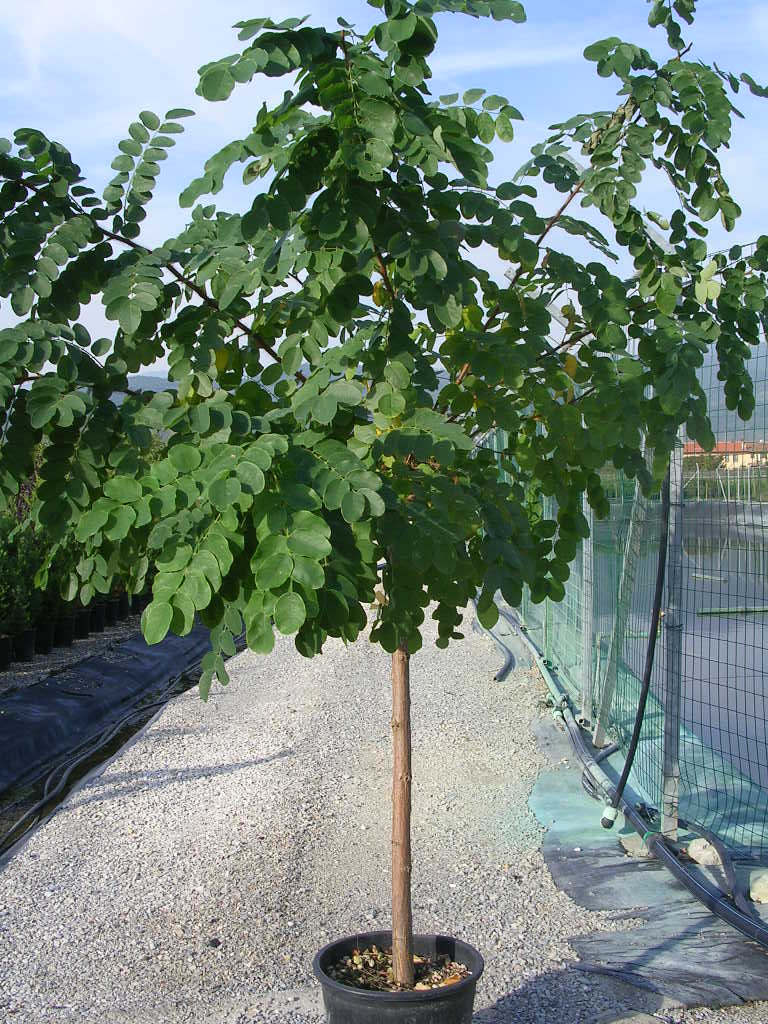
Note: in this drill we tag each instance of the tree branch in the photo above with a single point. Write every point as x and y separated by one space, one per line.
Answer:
174 271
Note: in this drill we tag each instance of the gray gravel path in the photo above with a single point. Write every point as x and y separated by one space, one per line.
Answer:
194 878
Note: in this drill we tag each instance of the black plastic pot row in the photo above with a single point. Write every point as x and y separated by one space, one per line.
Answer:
75 624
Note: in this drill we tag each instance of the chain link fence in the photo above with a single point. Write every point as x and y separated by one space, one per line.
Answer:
702 760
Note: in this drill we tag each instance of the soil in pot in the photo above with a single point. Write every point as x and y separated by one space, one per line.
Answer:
82 623
64 631
24 645
45 633
371 969
6 652
450 1001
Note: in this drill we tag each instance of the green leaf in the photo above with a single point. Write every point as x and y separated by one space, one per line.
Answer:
149 120
334 493
273 571
325 407
309 543
504 128
185 457
156 621
224 493
449 311
308 572
183 618
251 477
123 489
127 312
487 612
400 29
21 300
175 556
197 589
601 49
494 102
138 132
259 635
290 613
375 502
666 301
120 523
91 523
353 506
473 95
217 84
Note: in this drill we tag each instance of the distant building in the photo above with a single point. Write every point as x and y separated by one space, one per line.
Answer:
732 454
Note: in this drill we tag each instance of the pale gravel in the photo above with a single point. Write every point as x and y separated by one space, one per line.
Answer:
194 878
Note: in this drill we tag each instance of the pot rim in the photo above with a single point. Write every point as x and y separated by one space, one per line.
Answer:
409 995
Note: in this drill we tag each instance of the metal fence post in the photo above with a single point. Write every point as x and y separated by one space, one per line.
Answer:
587 616
673 650
638 517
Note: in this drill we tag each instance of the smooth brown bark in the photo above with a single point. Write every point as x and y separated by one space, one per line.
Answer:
402 920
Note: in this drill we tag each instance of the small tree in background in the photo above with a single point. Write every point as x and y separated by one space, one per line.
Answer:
338 353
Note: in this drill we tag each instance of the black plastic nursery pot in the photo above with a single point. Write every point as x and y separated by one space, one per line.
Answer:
110 611
97 618
451 1004
82 623
123 605
139 602
6 652
45 633
24 645
64 631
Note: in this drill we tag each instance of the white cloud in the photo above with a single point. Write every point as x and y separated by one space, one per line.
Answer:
759 26
486 59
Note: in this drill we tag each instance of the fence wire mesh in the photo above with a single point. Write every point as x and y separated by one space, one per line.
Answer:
702 760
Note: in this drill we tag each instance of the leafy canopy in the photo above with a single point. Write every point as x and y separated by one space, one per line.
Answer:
338 349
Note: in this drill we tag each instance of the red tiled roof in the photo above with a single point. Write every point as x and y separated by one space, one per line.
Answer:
727 448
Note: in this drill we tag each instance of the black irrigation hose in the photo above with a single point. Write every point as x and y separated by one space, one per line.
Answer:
712 898
597 784
509 658
611 811
50 792
735 888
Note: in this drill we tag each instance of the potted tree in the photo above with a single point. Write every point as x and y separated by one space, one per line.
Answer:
21 621
6 594
339 349
122 599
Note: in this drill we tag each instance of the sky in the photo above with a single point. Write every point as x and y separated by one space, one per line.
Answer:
80 70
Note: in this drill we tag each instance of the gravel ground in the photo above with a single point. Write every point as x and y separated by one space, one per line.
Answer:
194 878
105 645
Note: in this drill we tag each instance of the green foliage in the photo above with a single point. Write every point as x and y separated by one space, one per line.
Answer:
337 353
20 557
7 579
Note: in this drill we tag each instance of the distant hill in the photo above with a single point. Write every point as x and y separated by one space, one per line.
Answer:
149 382
145 382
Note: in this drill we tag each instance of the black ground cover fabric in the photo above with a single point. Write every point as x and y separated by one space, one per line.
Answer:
44 723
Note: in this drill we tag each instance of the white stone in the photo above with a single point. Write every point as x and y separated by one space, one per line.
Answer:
758 888
704 853
634 846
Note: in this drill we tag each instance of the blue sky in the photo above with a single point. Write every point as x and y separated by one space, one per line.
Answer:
80 70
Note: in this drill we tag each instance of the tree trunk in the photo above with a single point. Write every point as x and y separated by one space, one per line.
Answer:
402 921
